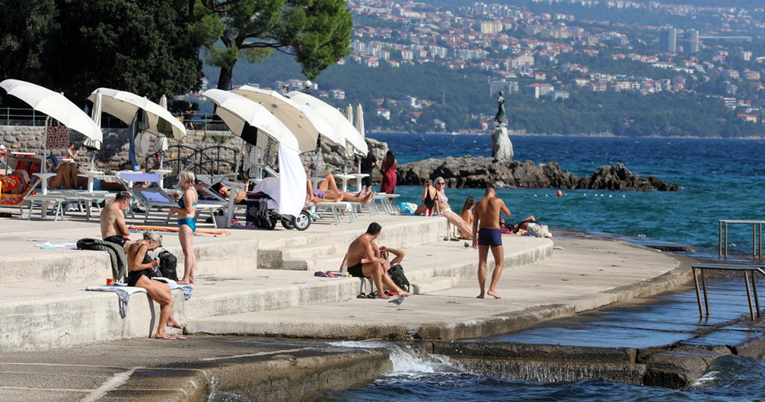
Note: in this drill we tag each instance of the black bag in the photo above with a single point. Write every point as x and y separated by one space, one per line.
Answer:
396 273
167 265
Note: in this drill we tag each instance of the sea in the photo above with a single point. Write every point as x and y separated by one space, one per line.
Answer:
718 179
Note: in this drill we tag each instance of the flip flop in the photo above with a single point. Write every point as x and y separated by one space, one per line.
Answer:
164 338
178 338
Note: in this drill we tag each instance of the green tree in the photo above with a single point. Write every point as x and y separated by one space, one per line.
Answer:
75 46
315 32
146 47
25 28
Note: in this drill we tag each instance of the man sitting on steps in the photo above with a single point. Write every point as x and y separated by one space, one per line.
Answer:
113 227
364 262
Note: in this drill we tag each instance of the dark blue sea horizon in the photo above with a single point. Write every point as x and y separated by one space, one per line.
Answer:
719 179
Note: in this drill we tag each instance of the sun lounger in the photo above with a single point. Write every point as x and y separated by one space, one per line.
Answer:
385 200
157 199
339 210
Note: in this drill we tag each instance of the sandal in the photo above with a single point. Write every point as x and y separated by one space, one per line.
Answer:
372 295
361 295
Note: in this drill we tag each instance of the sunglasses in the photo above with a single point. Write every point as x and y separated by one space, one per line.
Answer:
440 183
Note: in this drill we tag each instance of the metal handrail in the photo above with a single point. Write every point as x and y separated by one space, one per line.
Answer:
29 117
197 160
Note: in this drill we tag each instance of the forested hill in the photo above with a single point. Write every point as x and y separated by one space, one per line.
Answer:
467 103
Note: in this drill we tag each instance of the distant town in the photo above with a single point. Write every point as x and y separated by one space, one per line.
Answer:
714 52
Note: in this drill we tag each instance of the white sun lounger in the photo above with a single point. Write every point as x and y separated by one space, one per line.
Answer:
339 210
157 199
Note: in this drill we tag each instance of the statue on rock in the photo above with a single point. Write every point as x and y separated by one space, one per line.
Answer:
500 117
501 147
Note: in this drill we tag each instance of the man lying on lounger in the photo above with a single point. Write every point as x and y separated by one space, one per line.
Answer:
364 262
113 227
327 191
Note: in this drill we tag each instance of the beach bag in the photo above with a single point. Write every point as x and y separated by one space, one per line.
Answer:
396 273
168 265
407 208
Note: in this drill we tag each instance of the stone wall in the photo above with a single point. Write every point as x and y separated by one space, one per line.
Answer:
114 150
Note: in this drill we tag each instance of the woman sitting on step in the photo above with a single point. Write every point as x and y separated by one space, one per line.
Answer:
443 205
141 268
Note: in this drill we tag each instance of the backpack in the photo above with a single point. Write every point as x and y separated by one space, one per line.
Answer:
396 273
168 264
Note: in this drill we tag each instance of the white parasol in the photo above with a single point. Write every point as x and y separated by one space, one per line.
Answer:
359 120
304 122
55 106
125 105
349 113
354 143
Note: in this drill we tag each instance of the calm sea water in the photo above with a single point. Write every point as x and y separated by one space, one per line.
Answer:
719 179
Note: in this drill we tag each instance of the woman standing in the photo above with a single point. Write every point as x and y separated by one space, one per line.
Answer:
389 165
187 209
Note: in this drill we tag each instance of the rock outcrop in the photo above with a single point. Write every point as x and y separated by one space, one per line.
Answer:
501 146
479 172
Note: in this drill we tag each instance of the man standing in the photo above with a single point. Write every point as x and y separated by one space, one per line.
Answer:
368 164
489 236
363 260
113 227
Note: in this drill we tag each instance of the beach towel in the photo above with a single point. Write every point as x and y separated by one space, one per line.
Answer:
123 293
116 254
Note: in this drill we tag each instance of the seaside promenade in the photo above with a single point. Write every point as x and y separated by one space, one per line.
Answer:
261 283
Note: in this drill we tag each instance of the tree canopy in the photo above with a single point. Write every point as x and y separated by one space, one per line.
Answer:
75 46
315 32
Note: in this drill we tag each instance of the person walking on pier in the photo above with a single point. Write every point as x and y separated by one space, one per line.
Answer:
486 217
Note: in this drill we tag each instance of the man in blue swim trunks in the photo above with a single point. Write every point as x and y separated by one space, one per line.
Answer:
486 217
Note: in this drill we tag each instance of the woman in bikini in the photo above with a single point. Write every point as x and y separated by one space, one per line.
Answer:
446 210
429 205
187 209
141 268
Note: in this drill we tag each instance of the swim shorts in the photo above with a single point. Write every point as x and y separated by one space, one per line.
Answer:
490 237
356 270
318 193
119 240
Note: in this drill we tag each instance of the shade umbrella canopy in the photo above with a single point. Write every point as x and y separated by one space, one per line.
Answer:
54 105
349 113
341 125
360 120
124 106
238 112
162 144
302 120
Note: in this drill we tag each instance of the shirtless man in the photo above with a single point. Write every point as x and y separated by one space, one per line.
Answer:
113 227
363 260
487 217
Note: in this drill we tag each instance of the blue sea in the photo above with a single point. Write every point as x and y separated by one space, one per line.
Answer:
719 179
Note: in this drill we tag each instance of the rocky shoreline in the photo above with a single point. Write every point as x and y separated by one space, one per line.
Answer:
479 172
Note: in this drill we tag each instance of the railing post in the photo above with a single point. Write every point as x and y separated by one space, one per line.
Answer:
7 116
34 119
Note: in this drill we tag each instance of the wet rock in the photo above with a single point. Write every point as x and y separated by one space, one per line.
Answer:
480 172
677 368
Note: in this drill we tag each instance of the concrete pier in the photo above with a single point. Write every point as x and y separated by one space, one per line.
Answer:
261 283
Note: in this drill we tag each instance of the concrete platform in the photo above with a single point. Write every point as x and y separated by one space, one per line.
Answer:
42 304
584 275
